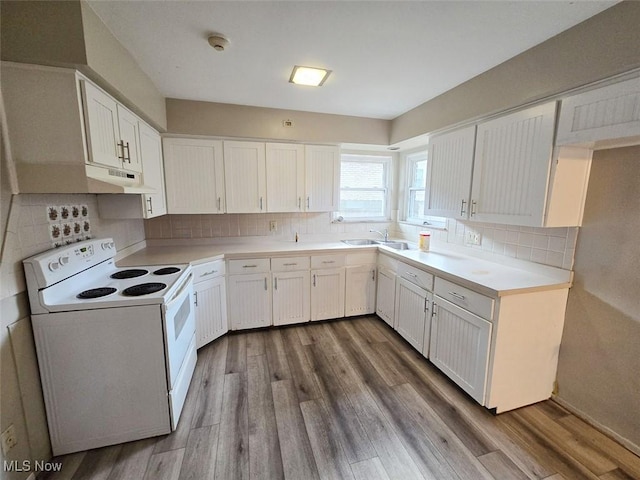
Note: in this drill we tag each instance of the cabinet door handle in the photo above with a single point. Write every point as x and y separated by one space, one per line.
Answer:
314 280
218 203
275 281
121 145
473 207
457 295
433 309
265 283
462 210
195 296
426 305
308 201
150 209
260 203
128 152
373 275
249 266
299 203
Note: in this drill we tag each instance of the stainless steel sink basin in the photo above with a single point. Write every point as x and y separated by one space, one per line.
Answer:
360 241
396 245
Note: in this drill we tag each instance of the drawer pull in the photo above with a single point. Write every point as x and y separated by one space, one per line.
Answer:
195 298
289 264
328 261
249 266
209 273
411 274
457 295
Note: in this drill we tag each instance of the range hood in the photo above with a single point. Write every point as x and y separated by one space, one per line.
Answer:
77 178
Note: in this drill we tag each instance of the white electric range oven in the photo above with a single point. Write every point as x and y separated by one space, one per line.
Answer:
116 347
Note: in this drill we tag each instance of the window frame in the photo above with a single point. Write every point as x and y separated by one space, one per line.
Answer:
410 158
384 158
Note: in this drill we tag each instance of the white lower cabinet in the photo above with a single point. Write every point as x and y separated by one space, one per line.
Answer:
459 346
386 295
327 293
291 297
412 313
360 294
249 294
210 301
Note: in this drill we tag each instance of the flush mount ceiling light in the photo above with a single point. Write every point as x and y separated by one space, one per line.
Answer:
311 76
218 42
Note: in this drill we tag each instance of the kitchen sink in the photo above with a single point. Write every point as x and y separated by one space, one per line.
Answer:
396 245
361 241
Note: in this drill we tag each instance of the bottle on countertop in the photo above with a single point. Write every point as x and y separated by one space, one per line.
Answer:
424 241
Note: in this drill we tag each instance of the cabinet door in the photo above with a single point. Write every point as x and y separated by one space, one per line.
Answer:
285 177
360 292
511 167
154 204
291 297
411 312
130 139
449 167
386 295
327 293
322 178
459 346
101 114
244 177
249 301
211 310
194 175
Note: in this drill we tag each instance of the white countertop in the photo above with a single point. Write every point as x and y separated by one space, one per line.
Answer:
485 276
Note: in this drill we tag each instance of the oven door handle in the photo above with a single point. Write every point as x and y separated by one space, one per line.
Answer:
177 295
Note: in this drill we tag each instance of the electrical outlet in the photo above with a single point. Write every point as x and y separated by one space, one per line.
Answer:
9 439
473 238
287 123
273 226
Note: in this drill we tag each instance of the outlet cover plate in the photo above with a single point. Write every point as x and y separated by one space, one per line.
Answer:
473 238
9 439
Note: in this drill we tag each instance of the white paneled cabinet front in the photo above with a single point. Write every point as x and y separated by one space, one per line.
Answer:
459 346
285 177
511 167
360 293
291 297
130 138
211 310
322 178
450 166
249 301
386 295
245 177
412 313
327 293
154 204
103 137
194 175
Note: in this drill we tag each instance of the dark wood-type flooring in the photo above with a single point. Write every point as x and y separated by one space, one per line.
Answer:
348 399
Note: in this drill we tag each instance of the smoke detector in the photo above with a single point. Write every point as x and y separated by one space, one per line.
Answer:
218 42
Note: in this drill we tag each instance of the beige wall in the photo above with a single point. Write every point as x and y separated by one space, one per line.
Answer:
602 46
600 352
225 120
70 34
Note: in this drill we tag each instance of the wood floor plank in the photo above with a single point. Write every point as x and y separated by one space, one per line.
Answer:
617 474
133 460
330 458
628 461
97 464
301 371
265 459
199 461
556 476
345 424
70 464
237 354
276 356
165 465
255 343
500 466
309 333
391 335
208 405
297 456
363 326
232 459
371 469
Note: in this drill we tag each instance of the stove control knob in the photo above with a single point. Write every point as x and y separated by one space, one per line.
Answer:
53 266
108 245
63 260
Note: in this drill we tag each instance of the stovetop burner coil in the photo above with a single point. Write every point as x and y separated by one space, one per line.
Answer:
166 271
132 273
97 292
143 289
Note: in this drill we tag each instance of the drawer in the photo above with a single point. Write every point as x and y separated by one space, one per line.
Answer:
327 261
362 258
250 265
206 271
465 298
415 275
387 262
289 264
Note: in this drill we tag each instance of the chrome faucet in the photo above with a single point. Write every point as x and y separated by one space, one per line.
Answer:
385 234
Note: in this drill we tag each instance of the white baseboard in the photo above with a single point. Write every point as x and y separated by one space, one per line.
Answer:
625 442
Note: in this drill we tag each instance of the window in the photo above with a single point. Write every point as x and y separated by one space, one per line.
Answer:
417 172
364 187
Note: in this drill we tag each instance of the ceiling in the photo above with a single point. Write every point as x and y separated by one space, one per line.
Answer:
387 57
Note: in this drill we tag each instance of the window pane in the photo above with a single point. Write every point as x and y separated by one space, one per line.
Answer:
419 174
416 203
361 203
362 175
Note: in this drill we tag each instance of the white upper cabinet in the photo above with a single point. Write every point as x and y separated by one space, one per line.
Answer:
511 167
322 178
194 174
112 130
450 164
245 177
285 177
154 204
607 116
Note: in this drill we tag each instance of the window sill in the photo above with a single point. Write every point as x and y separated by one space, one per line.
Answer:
418 223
